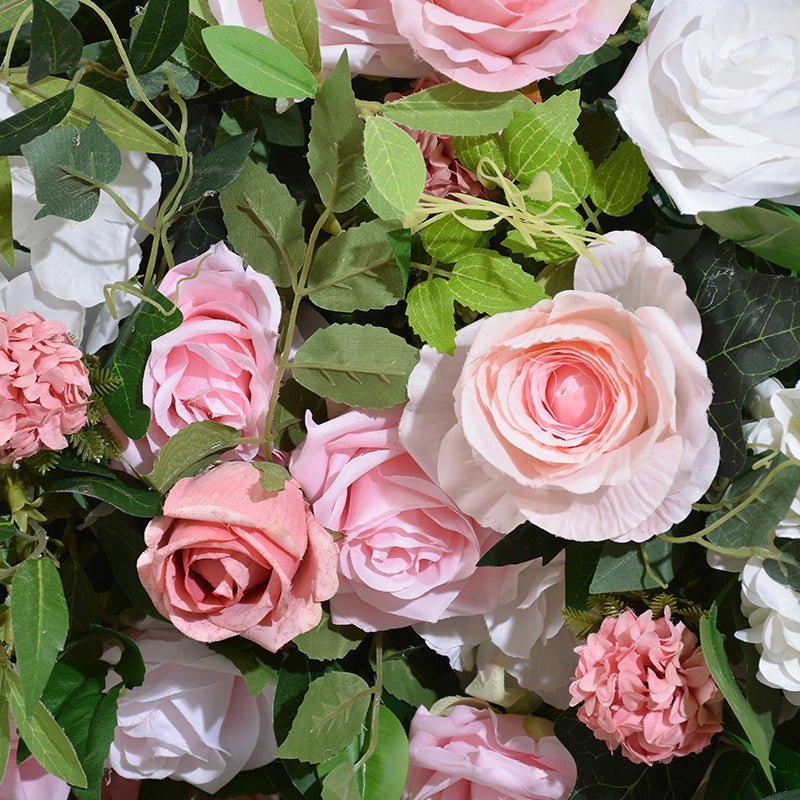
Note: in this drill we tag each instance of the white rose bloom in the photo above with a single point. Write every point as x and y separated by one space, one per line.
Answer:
529 630
773 611
712 97
69 263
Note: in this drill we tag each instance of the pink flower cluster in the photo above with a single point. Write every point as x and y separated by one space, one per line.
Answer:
44 386
645 686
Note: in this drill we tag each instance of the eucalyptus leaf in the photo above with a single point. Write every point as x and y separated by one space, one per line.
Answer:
161 29
623 566
29 123
56 44
429 308
294 24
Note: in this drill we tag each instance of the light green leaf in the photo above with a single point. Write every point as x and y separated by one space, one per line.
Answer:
356 270
572 178
381 206
329 642
41 620
453 109
429 308
273 476
10 12
395 163
621 180
5 730
6 203
294 24
622 567
446 239
470 150
258 63
341 783
386 768
330 716
359 365
250 661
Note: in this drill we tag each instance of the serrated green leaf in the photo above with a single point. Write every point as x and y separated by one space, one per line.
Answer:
395 163
258 63
336 142
470 150
456 110
56 44
621 180
356 270
32 122
572 178
329 642
331 714
622 567
597 132
537 140
41 620
193 53
429 308
6 202
264 224
381 206
294 24
446 239
251 662
273 476
160 32
359 365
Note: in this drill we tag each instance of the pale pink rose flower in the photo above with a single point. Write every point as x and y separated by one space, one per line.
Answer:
497 45
44 386
476 753
586 414
645 685
365 28
229 558
219 363
29 780
407 554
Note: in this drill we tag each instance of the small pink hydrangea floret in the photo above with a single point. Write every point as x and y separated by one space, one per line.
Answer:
645 685
44 386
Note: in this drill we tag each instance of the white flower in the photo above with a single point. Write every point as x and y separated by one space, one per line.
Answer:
773 611
69 263
529 630
712 97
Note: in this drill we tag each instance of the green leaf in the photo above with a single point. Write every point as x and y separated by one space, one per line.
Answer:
341 783
395 163
622 567
258 113
621 180
359 365
84 609
772 233
130 666
122 126
406 676
470 150
579 569
452 109
356 270
264 224
787 574
381 206
294 678
273 476
329 642
336 142
5 731
582 64
128 359
386 768
88 153
152 83
736 776
32 122
101 728
288 424
251 661
193 53
258 63
573 177
56 44
41 620
490 283
331 714
44 737
751 330
524 543
294 24
126 495
597 132
429 308
714 652
537 140
6 202
160 32
446 239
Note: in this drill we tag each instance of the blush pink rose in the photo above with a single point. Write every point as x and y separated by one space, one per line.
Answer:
497 45
44 386
408 554
476 753
229 558
29 780
586 414
645 685
219 363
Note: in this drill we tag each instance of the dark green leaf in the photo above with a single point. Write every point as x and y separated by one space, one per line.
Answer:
56 44
407 676
582 64
597 132
193 53
160 32
524 543
101 727
294 401
154 82
294 24
215 170
787 574
6 202
250 782
124 494
32 122
253 662
329 642
581 564
622 566
258 113
130 666
81 599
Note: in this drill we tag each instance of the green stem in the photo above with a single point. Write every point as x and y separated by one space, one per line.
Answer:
377 690
12 39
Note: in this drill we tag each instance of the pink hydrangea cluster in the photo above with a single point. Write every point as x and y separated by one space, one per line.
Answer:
44 386
645 686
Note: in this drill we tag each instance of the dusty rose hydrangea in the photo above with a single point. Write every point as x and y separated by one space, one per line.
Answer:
44 386
645 686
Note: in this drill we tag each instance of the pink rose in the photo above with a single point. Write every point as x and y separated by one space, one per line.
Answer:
586 414
365 28
408 554
44 386
645 685
29 780
219 363
476 753
230 558
497 45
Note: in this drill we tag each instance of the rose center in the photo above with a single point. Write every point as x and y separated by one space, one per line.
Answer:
571 396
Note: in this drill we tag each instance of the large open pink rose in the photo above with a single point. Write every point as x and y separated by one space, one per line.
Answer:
229 558
586 414
497 45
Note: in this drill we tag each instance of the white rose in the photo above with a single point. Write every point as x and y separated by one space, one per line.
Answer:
712 97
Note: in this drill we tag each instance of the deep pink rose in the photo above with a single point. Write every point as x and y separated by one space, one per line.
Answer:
229 558
408 554
586 414
44 386
219 363
645 685
497 45
29 780
476 753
